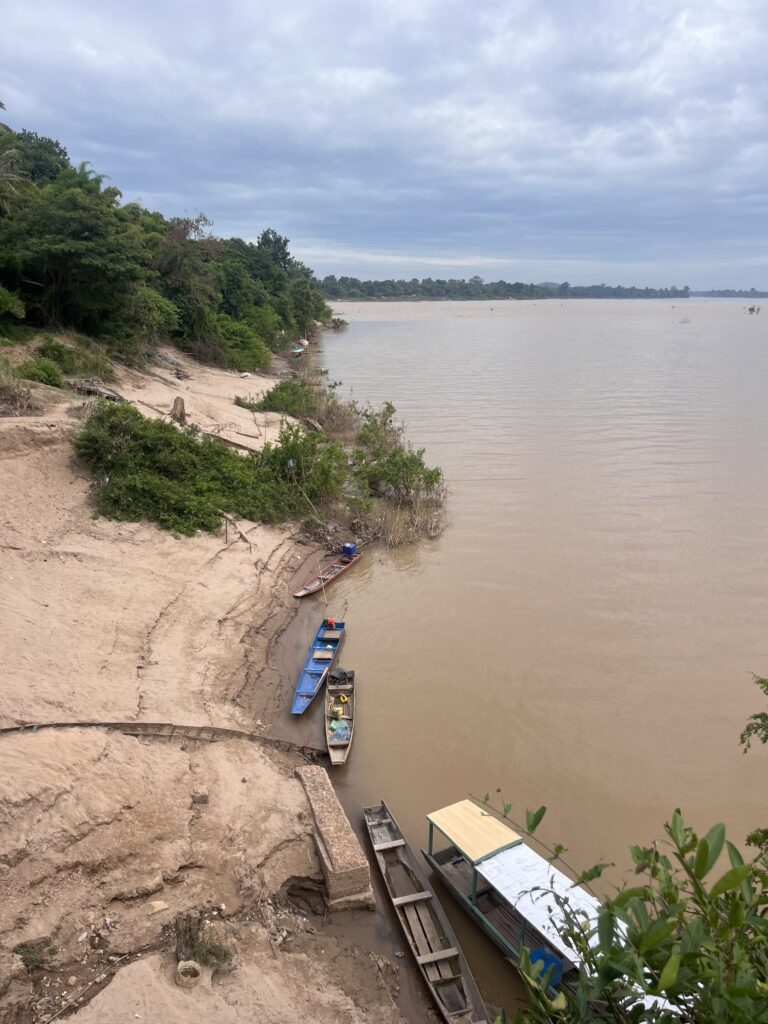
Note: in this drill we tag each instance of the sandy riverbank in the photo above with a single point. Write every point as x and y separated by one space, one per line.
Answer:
104 838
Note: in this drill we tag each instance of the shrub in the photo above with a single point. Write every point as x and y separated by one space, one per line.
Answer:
42 370
241 346
84 359
293 397
11 304
34 954
15 397
148 469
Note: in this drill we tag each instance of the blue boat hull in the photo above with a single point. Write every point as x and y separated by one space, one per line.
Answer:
320 660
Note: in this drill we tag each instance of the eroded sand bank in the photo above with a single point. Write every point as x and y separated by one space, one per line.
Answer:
104 838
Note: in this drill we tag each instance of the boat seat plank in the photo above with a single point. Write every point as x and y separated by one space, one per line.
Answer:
331 634
378 847
434 937
413 897
323 655
441 954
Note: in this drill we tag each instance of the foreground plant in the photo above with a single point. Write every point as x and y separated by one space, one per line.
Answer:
688 943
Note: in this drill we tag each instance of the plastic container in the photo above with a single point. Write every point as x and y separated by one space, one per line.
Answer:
348 549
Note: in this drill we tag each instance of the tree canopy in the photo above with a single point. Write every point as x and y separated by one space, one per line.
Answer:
74 256
477 288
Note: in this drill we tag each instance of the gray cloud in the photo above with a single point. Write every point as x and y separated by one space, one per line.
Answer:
514 139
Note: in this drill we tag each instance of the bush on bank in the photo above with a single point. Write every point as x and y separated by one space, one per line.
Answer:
183 480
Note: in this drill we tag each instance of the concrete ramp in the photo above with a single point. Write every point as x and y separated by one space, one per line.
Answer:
345 865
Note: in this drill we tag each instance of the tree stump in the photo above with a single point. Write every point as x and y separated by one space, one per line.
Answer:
178 411
187 928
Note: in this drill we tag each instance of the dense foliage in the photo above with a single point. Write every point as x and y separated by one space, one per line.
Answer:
476 288
184 480
674 947
73 256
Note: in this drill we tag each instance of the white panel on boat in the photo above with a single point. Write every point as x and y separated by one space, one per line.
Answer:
518 872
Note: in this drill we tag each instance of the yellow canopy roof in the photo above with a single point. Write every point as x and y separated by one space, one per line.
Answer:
474 830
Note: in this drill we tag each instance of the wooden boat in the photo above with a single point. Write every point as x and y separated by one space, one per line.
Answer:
339 713
425 926
318 663
506 887
349 555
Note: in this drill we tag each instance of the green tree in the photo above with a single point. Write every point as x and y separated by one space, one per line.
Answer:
40 159
70 252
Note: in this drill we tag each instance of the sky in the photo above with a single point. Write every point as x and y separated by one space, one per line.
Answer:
624 143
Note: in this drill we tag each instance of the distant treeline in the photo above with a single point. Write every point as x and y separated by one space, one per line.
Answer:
731 293
477 288
73 256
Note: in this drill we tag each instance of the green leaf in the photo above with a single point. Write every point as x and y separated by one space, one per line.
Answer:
605 930
701 860
730 880
592 873
640 892
659 931
714 839
676 827
736 913
669 973
533 818
507 809
733 855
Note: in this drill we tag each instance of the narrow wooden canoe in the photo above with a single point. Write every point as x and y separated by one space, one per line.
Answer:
318 663
424 924
339 713
328 574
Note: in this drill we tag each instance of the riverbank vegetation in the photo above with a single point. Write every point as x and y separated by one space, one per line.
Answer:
184 481
685 941
74 257
476 288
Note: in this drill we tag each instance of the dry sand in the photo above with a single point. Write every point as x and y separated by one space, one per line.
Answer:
104 838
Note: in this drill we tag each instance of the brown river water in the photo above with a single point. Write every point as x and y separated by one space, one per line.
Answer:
583 633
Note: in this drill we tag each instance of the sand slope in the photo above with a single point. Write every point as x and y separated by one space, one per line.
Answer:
106 621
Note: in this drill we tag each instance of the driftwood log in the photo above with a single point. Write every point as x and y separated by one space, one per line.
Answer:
95 387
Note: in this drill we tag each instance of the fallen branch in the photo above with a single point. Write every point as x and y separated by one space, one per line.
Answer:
233 523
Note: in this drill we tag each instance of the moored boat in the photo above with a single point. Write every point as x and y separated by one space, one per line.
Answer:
349 555
424 923
339 713
318 663
506 887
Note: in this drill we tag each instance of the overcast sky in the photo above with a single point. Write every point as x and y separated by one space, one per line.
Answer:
618 142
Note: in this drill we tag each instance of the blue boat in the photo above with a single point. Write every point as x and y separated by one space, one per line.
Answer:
320 659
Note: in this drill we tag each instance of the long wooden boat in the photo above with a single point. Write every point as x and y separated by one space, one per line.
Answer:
424 923
506 887
330 572
339 714
318 663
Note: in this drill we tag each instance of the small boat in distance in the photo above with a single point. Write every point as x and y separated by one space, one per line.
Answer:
424 923
339 713
349 555
318 663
